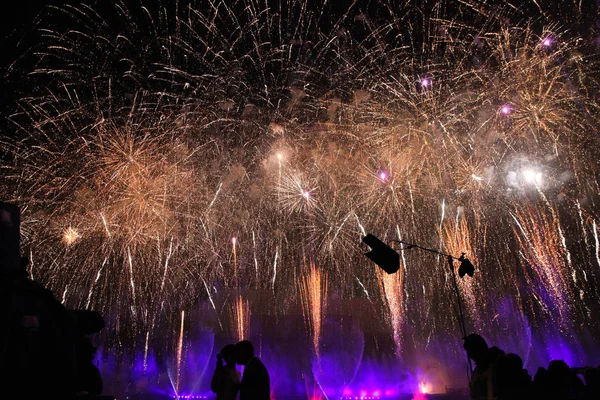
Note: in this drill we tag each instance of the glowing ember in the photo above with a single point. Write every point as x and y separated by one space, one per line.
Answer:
70 236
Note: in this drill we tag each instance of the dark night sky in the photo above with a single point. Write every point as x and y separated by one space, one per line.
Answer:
17 21
18 18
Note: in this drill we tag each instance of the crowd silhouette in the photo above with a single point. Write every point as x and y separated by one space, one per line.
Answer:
500 376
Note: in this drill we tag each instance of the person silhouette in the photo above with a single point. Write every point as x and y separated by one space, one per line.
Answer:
87 379
37 336
592 383
226 379
255 384
482 380
563 383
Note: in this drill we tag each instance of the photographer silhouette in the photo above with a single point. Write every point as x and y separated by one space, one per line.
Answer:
37 340
42 344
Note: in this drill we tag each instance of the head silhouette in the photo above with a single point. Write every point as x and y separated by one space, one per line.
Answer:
559 371
592 378
516 361
494 352
228 354
476 347
244 351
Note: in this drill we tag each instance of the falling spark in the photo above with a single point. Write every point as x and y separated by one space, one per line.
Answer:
255 256
89 299
596 242
132 284
212 303
233 245
146 351
169 254
240 318
541 245
391 287
363 288
314 303
275 267
179 351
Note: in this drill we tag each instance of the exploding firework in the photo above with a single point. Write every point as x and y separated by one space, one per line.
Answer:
152 136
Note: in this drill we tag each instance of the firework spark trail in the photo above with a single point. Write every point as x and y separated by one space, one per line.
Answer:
313 293
596 242
64 295
240 319
559 228
179 352
391 287
131 283
145 363
254 253
360 226
210 298
442 221
392 291
87 303
275 267
105 224
31 265
168 257
541 246
240 118
582 223
215 197
363 288
235 262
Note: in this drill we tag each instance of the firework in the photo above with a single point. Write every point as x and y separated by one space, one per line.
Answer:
240 319
179 352
391 287
149 136
542 248
313 293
